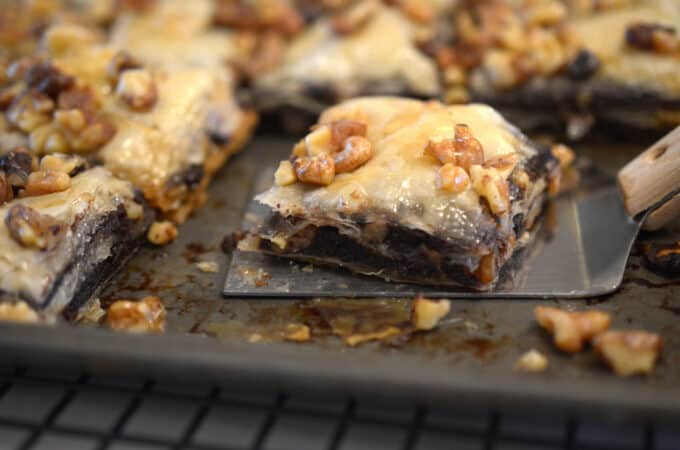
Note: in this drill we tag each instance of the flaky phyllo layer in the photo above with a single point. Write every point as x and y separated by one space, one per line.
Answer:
408 190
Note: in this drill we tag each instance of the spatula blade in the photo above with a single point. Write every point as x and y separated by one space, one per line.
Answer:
584 255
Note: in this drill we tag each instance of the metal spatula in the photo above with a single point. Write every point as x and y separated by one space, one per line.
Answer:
584 256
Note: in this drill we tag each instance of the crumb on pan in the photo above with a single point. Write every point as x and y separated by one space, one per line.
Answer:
91 312
628 352
532 361
143 316
162 233
426 313
18 312
296 332
571 329
208 266
663 258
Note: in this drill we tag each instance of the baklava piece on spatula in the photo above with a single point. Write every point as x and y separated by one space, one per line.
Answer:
409 191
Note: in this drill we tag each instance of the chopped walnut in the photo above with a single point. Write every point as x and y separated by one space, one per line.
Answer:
426 313
47 79
17 165
490 184
356 152
268 53
285 174
144 316
532 361
18 312
319 169
546 13
46 182
571 329
162 233
564 155
120 62
463 151
68 164
6 191
628 352
208 266
341 129
319 140
296 332
503 164
29 228
417 10
354 17
452 179
652 37
30 111
137 88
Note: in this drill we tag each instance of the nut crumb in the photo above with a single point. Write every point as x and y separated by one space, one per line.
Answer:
308 268
571 329
144 316
208 266
628 352
426 313
162 233
532 361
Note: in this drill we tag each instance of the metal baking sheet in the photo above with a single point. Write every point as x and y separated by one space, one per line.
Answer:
469 359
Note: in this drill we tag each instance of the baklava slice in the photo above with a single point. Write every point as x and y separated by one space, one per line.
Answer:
167 129
566 61
365 48
408 191
64 230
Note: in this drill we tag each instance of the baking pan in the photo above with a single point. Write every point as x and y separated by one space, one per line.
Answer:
468 360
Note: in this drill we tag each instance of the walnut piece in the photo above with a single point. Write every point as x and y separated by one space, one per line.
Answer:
463 151
318 141
564 155
144 316
532 361
356 152
652 37
426 313
68 164
319 169
571 329
162 233
354 17
342 129
46 182
29 228
18 312
296 332
137 89
490 184
285 174
208 266
453 179
628 352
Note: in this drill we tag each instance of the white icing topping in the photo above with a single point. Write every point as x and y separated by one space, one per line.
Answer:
380 51
400 179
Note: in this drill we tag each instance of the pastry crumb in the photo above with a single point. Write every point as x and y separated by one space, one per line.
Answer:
532 361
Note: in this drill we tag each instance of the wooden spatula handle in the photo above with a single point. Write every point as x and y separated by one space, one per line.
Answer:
650 177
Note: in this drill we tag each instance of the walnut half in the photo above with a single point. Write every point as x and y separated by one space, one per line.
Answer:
571 329
29 228
628 352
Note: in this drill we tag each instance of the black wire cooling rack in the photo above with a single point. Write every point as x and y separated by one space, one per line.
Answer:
42 409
